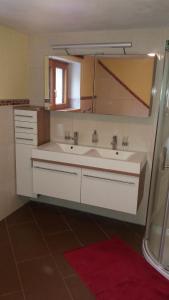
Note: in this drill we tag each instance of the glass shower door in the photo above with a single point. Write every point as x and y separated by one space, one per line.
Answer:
158 235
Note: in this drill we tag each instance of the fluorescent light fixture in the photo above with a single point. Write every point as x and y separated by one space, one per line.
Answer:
97 45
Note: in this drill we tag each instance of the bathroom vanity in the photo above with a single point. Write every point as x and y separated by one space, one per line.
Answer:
95 176
99 177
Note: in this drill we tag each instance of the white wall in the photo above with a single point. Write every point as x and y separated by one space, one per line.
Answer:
141 132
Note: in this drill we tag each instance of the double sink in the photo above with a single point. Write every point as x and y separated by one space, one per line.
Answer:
104 153
91 157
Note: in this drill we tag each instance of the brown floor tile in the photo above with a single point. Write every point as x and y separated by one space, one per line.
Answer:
62 242
63 266
58 244
131 233
49 219
41 276
20 216
86 229
27 241
78 290
41 280
3 233
13 296
8 275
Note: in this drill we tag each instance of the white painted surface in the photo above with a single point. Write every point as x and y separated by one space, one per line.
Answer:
9 202
25 127
24 174
49 16
26 138
57 181
108 190
102 189
25 115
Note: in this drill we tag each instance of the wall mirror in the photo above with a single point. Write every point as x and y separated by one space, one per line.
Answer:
114 85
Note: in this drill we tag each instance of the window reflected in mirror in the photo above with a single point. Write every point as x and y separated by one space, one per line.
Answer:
111 85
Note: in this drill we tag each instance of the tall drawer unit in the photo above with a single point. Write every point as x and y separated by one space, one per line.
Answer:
32 128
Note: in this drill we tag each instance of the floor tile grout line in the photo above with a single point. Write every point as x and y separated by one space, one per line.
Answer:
54 233
69 276
19 223
13 253
74 233
100 227
31 259
10 293
57 232
51 254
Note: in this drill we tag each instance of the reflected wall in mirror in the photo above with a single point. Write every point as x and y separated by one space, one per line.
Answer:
101 84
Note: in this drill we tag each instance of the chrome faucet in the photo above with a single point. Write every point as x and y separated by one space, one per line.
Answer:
114 142
75 137
125 141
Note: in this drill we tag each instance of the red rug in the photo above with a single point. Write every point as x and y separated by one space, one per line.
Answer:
113 271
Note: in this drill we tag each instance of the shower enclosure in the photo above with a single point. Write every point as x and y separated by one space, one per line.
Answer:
156 241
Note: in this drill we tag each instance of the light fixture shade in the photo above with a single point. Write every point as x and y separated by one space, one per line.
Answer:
93 45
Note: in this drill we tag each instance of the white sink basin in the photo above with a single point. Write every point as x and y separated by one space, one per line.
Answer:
74 149
114 154
91 157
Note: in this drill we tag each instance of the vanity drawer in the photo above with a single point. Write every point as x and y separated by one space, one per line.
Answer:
109 190
25 127
57 181
25 115
26 138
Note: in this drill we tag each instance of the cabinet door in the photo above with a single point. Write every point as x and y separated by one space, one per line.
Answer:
24 184
57 181
110 190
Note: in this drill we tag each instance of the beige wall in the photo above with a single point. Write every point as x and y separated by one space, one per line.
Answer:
87 76
135 73
141 131
113 98
13 85
14 64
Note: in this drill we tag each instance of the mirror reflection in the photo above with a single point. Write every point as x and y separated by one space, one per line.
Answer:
100 84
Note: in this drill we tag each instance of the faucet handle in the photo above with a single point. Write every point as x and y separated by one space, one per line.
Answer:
125 141
67 135
95 136
114 142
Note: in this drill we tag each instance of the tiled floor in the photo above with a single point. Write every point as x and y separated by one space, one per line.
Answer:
32 243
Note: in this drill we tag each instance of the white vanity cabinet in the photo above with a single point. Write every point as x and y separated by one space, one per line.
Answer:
56 180
88 178
110 190
31 129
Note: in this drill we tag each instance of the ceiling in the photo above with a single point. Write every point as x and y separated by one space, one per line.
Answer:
44 16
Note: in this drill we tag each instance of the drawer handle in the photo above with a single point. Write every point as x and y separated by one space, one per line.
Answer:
24 139
54 170
24 116
108 179
24 127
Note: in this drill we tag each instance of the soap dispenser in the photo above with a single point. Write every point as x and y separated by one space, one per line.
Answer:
95 136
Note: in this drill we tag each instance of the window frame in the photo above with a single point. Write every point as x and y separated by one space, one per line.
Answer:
53 64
